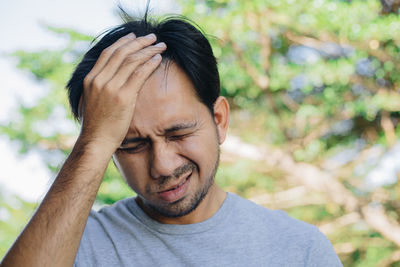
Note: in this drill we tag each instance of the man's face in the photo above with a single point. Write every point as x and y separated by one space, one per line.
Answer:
170 154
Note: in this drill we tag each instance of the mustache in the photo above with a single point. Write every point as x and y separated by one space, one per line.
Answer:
178 172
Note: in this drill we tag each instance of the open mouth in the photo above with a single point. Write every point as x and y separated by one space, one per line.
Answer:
180 184
176 192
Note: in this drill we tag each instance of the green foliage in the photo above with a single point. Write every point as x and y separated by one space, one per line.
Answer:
313 78
252 42
52 69
113 188
244 178
14 215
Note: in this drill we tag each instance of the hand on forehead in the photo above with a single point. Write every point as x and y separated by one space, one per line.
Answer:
111 87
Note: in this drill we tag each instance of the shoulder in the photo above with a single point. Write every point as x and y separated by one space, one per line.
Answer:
321 252
272 219
286 233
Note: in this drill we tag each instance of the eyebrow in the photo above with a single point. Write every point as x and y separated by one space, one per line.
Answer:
180 126
173 128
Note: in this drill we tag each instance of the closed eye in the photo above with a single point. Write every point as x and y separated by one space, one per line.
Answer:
178 137
134 149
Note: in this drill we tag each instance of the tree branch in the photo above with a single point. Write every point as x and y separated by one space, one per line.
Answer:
317 180
347 219
293 197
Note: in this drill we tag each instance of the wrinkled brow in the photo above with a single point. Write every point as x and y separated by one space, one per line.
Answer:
180 126
173 128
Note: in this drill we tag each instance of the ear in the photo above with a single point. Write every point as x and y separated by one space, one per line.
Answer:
221 117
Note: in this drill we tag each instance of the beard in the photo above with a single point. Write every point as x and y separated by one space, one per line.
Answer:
186 204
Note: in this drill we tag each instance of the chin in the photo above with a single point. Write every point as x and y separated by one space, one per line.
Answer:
182 206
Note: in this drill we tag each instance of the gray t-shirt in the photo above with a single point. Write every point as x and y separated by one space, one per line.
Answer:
241 233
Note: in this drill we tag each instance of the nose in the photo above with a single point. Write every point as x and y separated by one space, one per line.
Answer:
164 160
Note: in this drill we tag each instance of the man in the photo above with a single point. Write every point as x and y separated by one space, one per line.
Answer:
147 95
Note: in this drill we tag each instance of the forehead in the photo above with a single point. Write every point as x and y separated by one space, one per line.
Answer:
168 97
166 82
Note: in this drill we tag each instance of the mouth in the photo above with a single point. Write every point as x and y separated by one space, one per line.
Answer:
177 191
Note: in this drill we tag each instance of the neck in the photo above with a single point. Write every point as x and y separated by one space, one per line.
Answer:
205 210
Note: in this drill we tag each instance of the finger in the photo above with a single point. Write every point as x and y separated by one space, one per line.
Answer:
138 77
120 54
131 63
104 57
109 51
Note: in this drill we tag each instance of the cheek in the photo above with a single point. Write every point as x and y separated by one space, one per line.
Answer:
202 150
131 168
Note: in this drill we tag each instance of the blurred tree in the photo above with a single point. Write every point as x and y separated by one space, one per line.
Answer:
315 87
315 94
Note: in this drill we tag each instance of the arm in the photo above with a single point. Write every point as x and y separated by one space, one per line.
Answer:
52 236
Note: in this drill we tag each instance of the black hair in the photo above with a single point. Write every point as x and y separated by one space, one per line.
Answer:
186 46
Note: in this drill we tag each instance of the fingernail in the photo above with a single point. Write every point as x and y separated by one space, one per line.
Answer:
151 36
161 45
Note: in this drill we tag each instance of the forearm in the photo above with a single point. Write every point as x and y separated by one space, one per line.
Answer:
53 235
111 88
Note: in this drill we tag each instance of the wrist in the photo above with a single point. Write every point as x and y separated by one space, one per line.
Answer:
95 147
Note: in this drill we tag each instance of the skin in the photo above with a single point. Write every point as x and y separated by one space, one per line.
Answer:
172 129
52 236
112 108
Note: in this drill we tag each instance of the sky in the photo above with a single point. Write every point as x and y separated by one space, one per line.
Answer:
22 28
